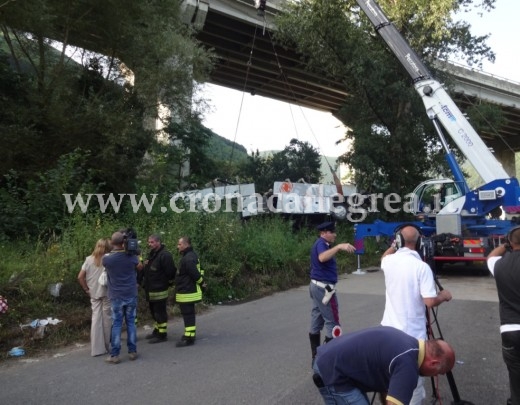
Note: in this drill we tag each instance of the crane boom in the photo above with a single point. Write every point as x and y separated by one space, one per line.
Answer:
439 105
459 224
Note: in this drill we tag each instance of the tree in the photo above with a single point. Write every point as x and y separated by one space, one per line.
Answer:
84 77
257 169
298 160
394 146
94 71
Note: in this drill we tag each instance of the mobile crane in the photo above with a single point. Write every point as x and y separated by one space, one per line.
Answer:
461 225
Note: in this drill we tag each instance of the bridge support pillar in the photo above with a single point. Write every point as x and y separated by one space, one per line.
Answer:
505 156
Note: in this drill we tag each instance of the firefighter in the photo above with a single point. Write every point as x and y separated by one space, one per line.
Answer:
157 275
189 283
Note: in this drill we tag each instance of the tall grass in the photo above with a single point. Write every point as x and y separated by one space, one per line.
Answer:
241 259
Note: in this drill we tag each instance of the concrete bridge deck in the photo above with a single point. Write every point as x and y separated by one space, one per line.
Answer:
250 61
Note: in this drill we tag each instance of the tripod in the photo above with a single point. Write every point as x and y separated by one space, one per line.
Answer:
449 374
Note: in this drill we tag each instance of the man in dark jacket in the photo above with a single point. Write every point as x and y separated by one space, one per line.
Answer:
188 289
157 275
504 264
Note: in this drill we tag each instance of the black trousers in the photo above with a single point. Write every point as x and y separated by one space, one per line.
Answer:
159 314
188 315
511 356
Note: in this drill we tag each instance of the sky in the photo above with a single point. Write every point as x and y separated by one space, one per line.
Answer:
261 123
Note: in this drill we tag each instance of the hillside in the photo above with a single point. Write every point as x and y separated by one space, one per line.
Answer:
221 149
327 177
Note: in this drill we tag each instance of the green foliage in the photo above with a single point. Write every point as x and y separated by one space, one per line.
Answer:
223 150
78 110
257 170
229 248
78 125
298 160
37 207
224 160
80 89
241 259
210 157
485 116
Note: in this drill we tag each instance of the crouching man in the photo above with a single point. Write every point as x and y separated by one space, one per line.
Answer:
381 359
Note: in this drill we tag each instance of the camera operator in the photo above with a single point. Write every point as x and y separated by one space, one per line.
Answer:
122 291
131 247
410 286
504 263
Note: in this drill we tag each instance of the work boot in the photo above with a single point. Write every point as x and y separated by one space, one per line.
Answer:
186 341
327 339
154 333
158 338
315 342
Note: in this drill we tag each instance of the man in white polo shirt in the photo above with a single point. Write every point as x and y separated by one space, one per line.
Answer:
410 288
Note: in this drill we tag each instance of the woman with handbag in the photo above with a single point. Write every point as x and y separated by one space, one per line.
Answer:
88 278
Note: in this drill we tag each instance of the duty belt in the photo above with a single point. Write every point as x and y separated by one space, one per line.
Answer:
322 285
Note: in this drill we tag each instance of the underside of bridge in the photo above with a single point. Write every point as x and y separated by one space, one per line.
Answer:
248 60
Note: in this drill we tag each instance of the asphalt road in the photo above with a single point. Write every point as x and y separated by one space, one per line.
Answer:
258 352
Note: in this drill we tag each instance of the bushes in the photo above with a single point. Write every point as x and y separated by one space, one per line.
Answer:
36 207
241 259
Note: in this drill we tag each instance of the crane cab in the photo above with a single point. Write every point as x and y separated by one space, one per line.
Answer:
431 196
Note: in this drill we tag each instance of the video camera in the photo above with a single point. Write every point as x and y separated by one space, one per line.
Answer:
130 241
428 248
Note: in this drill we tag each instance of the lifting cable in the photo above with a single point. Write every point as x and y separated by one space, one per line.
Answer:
249 63
288 86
